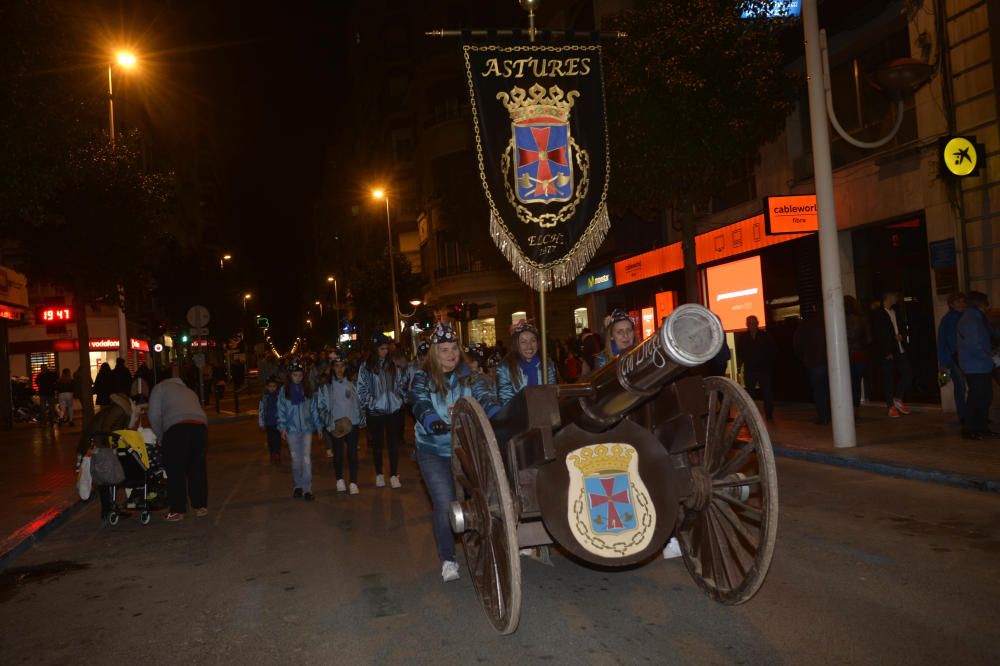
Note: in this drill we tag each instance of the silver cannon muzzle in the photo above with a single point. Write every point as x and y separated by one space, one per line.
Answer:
690 336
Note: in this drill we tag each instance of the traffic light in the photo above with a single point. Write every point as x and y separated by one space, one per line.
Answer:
457 311
185 338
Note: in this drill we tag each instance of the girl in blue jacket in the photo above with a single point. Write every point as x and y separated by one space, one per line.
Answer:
523 365
381 389
338 406
437 386
298 419
619 331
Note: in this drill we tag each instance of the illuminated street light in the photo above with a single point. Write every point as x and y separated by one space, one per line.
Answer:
223 260
125 60
415 303
330 278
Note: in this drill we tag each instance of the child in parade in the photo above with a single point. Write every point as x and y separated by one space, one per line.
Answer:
423 347
320 383
523 365
342 416
620 336
444 379
298 419
381 390
267 417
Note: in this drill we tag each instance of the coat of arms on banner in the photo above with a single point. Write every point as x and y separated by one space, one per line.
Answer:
542 151
608 506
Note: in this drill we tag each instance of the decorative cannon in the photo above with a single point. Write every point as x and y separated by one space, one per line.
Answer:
610 468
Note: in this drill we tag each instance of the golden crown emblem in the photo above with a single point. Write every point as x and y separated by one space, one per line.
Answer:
538 103
601 459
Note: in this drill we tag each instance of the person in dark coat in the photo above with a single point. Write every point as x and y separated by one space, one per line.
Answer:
238 372
755 352
45 382
948 350
121 378
858 341
104 385
889 332
809 344
975 356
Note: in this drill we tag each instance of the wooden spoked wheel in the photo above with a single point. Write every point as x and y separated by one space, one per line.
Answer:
729 523
490 536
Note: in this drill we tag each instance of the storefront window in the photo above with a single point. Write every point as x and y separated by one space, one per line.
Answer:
518 316
484 331
581 320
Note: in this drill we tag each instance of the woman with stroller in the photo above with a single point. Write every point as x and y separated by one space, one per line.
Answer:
298 419
523 365
381 390
620 336
340 411
444 379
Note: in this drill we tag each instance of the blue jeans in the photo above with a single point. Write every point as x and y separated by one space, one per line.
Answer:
436 471
299 445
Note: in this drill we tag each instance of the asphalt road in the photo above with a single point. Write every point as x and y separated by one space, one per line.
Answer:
868 570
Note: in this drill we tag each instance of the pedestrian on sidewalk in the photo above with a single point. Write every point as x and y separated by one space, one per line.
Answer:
64 391
437 386
382 390
889 331
948 350
619 331
523 365
45 384
858 342
179 422
342 416
298 419
121 377
104 385
809 343
975 358
755 352
267 418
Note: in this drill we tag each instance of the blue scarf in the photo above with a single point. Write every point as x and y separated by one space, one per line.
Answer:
530 369
614 349
298 394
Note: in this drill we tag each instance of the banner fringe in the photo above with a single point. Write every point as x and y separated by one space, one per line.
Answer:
561 273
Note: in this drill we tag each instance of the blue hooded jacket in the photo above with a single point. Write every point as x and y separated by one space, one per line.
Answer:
381 393
429 406
300 418
339 399
505 385
975 351
267 411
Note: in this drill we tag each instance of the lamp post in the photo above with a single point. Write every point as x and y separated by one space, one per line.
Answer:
246 297
222 261
336 302
382 194
125 60
320 308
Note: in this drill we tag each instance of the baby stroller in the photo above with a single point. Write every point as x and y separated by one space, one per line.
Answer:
143 479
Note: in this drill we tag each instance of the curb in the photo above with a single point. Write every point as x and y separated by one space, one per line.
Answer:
28 536
889 469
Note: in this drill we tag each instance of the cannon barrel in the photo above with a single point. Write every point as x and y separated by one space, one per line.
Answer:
689 336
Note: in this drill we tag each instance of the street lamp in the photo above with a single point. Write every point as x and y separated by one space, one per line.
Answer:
246 297
125 60
223 260
380 193
320 309
336 298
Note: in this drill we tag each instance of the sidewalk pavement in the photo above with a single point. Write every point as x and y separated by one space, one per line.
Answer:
38 479
926 445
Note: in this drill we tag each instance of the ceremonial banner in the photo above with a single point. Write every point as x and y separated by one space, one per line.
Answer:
542 151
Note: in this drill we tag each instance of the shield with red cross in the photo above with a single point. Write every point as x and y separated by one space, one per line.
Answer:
543 160
609 501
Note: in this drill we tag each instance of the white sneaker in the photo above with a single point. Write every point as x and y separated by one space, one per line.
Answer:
329 453
354 489
394 482
672 550
341 486
449 571
379 481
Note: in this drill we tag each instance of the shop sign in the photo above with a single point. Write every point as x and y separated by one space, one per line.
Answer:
649 264
13 288
736 291
961 156
138 345
666 302
790 214
648 322
598 280
942 253
157 347
7 313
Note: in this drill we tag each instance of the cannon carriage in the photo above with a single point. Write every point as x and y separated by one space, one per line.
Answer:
611 468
